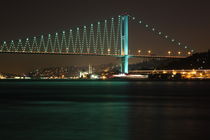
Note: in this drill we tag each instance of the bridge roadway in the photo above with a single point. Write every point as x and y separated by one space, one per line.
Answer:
93 54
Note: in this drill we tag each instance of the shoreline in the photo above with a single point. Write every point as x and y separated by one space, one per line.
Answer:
112 80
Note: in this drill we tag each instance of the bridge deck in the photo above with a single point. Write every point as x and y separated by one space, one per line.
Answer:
92 54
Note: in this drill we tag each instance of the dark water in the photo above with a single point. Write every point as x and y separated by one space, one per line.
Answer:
97 110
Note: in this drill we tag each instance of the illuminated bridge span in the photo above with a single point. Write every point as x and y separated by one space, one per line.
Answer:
104 38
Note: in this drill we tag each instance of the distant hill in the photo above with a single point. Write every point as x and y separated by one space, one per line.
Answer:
196 61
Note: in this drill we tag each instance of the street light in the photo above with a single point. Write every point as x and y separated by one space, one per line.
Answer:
139 51
169 52
149 52
189 53
179 53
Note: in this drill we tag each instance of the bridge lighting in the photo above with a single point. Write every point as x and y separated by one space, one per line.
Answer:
179 43
149 52
139 51
185 47
57 42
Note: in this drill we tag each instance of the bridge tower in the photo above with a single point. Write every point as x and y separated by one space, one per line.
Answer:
124 43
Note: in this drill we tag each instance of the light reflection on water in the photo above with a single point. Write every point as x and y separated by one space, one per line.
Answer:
104 110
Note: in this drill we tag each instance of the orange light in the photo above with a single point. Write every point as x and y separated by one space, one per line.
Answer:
164 72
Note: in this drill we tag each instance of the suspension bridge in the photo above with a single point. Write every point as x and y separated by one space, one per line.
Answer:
104 38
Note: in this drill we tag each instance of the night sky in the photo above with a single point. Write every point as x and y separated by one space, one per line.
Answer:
185 20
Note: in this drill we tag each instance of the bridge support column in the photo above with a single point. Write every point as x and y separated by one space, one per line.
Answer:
124 64
124 44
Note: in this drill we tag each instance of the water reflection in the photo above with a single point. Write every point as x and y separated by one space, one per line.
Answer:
104 111
170 119
64 120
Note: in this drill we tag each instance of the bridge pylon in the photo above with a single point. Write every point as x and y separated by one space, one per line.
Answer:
124 44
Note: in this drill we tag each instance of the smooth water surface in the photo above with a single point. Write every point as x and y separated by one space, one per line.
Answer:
104 110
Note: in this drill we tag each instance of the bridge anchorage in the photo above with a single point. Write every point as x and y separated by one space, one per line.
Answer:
104 38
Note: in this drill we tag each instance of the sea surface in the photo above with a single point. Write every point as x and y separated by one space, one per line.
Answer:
104 110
